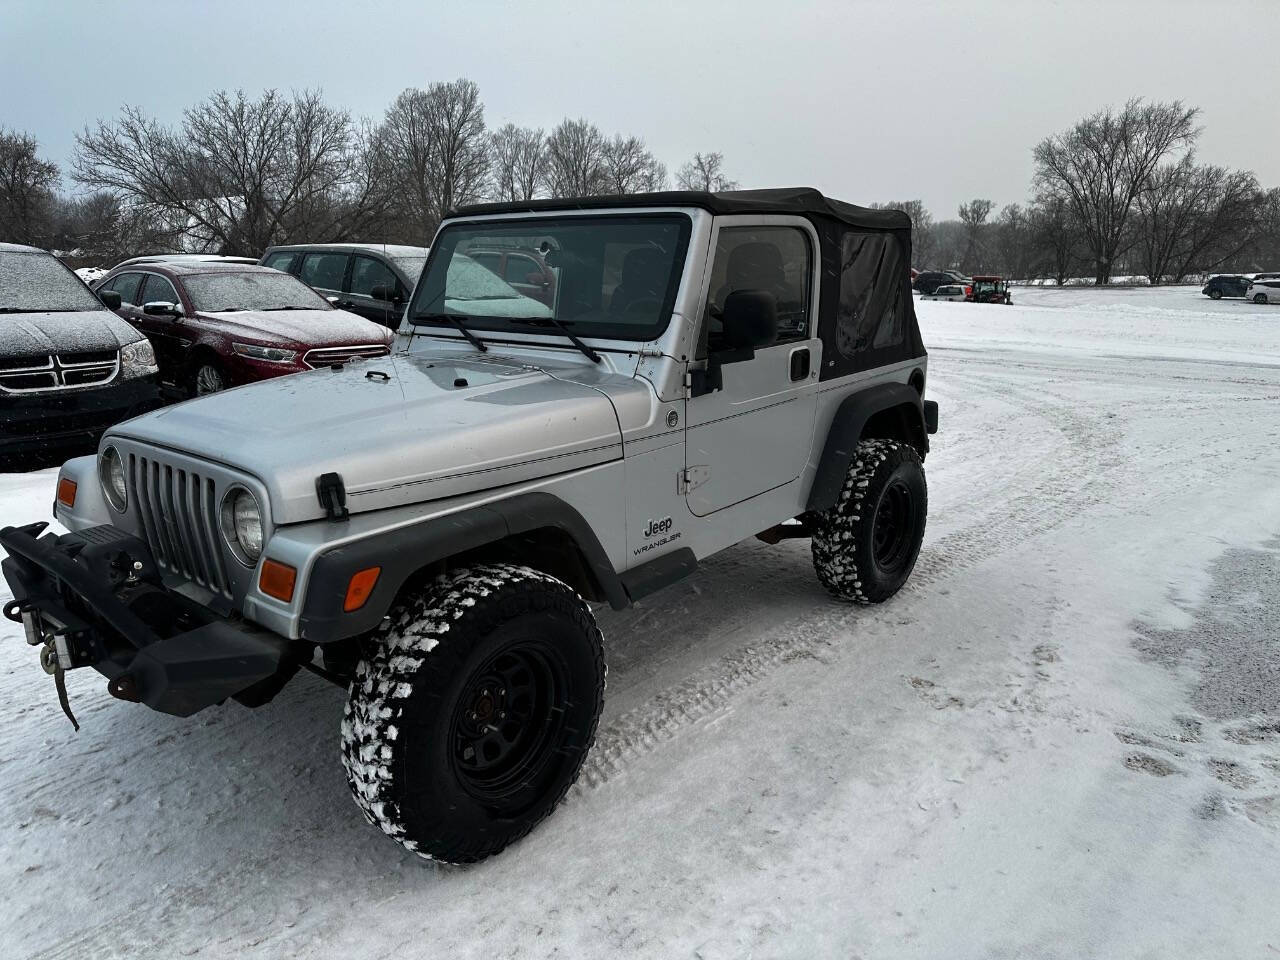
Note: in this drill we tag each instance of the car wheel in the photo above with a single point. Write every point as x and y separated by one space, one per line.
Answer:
1259 298
1215 294
866 545
472 713
208 378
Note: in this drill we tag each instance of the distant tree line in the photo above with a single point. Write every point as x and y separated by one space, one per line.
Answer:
1120 193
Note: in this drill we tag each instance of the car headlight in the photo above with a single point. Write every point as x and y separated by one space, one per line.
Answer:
111 476
269 354
137 359
242 525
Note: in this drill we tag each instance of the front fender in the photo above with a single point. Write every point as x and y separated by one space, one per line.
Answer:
91 508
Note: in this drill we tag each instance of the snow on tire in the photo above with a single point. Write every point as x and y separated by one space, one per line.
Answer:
865 546
473 712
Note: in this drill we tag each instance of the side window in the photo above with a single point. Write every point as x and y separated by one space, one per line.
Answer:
156 288
490 261
367 273
518 270
324 271
126 285
870 314
774 259
282 261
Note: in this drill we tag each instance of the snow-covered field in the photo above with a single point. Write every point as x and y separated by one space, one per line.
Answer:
1062 740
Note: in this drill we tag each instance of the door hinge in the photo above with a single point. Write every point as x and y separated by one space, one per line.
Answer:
690 478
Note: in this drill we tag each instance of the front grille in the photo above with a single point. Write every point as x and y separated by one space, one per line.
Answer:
179 513
324 356
59 371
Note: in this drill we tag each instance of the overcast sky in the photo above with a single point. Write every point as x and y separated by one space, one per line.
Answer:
867 101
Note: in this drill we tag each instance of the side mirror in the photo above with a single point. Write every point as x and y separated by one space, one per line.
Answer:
750 320
110 299
334 301
161 308
386 293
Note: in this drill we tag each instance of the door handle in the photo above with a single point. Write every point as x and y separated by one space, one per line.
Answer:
799 364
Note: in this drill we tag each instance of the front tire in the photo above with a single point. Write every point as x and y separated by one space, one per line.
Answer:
471 717
865 547
1259 298
1215 294
207 378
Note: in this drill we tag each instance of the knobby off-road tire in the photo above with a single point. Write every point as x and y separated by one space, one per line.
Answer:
865 546
472 713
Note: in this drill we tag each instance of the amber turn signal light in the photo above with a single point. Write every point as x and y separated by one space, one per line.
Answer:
66 491
359 588
277 579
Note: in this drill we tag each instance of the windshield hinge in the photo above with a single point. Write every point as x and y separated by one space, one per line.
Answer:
332 495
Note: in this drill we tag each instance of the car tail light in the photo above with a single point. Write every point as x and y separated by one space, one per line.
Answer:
277 580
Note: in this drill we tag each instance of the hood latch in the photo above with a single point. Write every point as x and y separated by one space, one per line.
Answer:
332 494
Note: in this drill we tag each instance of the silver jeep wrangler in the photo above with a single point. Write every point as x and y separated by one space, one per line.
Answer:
590 396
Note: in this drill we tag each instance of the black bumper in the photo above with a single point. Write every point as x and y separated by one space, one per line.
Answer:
96 596
41 421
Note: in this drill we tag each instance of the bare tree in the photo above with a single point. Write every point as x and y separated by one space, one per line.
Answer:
27 190
576 157
240 174
705 172
923 240
1192 218
629 167
519 161
1056 238
1101 164
437 149
974 217
1012 250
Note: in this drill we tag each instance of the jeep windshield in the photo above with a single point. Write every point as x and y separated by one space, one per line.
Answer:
250 290
609 277
39 283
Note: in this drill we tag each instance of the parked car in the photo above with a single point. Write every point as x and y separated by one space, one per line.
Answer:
524 269
1263 291
183 258
1266 276
220 324
948 291
69 367
1226 285
929 280
374 280
989 290
91 275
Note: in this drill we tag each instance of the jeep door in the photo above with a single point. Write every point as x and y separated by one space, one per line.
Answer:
754 433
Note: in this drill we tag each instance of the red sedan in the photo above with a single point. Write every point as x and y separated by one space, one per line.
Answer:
218 325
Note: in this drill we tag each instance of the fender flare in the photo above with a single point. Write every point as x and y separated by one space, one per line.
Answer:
846 430
404 551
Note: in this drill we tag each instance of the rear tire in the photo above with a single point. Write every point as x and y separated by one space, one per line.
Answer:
1215 294
1259 298
865 547
470 719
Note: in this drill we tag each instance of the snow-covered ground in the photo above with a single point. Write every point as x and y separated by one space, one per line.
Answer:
1062 740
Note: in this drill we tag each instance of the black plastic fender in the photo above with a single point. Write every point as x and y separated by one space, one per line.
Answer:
846 430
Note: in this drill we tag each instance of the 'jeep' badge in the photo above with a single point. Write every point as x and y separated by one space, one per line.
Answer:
657 527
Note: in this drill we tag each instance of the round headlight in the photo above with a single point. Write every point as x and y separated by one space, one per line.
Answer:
111 476
242 525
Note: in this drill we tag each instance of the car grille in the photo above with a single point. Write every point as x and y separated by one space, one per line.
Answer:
324 356
59 371
179 513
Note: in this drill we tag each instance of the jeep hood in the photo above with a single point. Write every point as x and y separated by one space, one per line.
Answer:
399 430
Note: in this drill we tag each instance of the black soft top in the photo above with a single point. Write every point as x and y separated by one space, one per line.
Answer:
803 201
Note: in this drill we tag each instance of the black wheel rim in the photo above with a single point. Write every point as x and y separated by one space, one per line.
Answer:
509 722
893 530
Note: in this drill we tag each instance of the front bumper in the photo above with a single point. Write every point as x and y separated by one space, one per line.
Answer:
63 418
94 598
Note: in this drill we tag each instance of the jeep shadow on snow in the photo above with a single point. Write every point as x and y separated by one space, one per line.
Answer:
426 529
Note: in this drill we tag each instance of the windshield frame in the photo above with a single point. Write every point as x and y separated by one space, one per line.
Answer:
269 275
91 303
521 327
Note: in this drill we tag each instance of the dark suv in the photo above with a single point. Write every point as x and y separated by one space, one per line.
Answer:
930 280
69 368
371 279
217 325
1225 285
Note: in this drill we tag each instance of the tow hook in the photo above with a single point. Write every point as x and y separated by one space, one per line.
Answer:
53 665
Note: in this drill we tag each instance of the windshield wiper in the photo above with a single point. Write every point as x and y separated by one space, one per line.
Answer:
559 325
456 320
273 309
44 309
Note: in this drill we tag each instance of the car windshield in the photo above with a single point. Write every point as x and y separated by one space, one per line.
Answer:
986 286
612 277
250 290
39 283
